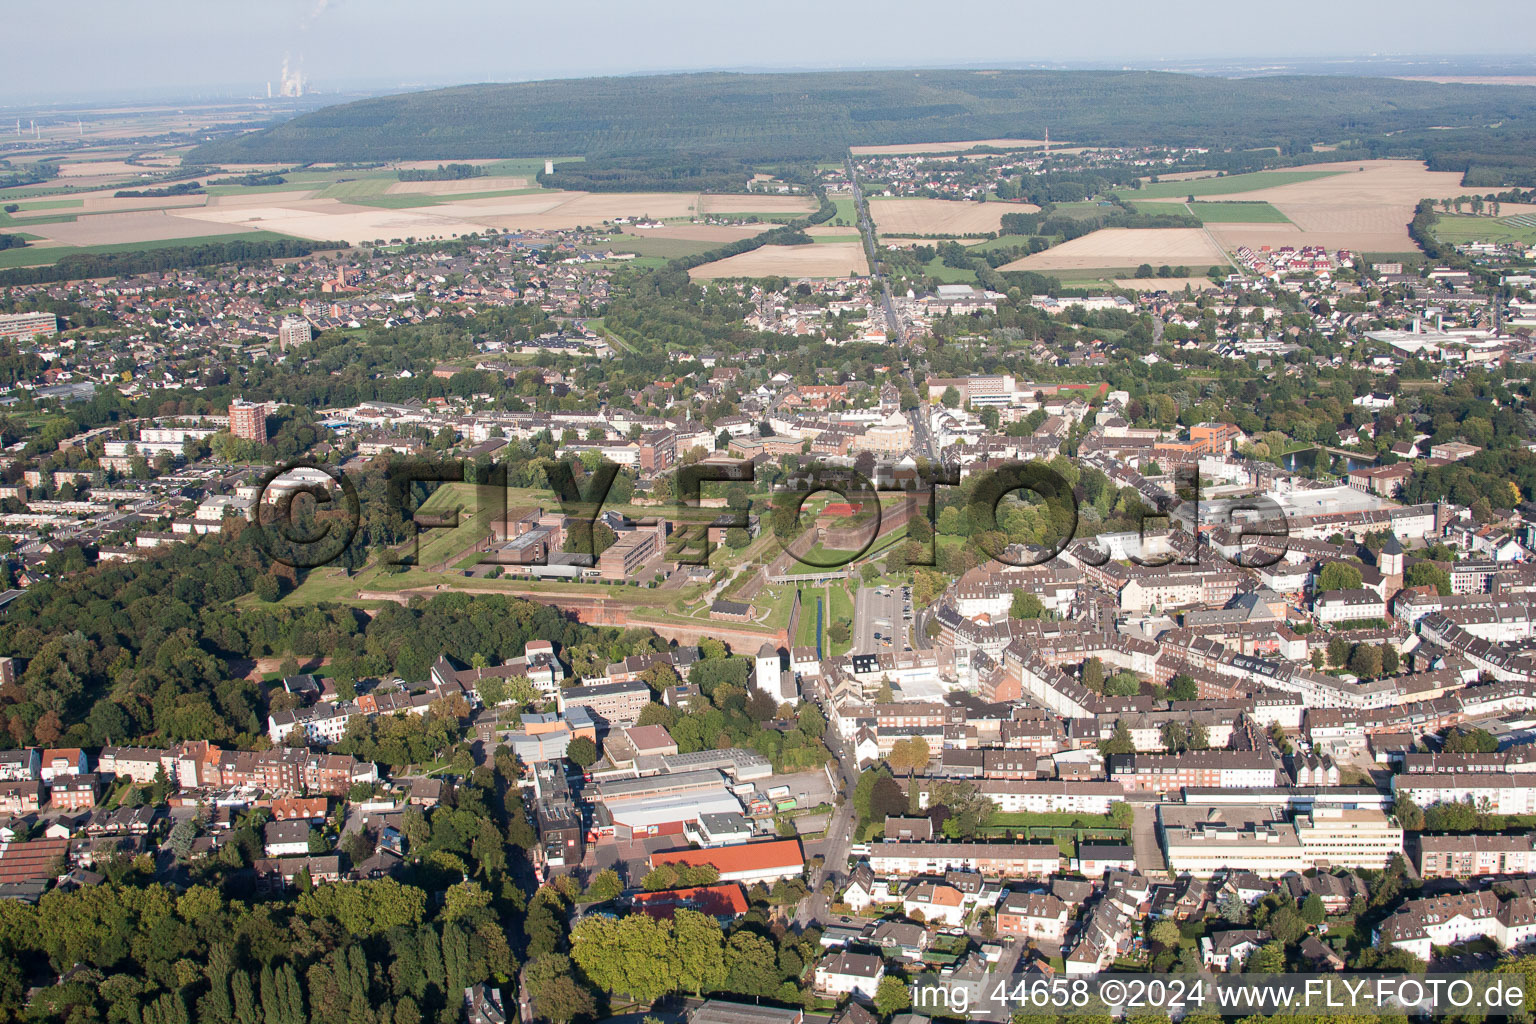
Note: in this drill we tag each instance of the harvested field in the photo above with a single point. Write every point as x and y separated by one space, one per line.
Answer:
120 228
460 187
834 259
327 219
940 216
88 169
720 233
1120 247
711 203
1366 208
945 147
104 203
261 198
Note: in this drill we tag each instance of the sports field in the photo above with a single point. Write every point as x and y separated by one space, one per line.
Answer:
1517 230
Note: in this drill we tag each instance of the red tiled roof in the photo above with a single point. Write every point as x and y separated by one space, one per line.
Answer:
724 900
744 857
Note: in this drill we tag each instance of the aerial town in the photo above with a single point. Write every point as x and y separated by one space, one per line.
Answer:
858 591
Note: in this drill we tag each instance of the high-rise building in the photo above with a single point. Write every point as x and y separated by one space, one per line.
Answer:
248 420
294 330
26 326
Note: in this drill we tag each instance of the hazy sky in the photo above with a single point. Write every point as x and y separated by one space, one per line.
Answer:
62 50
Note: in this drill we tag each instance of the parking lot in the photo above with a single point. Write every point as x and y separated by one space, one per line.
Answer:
880 617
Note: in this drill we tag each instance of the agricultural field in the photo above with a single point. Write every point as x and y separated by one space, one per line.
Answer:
1164 284
1517 230
1229 184
759 204
1126 247
1363 206
1230 212
940 216
834 259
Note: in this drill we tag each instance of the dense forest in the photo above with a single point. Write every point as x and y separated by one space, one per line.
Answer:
84 266
817 115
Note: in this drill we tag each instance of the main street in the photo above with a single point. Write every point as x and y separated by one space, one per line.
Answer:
834 849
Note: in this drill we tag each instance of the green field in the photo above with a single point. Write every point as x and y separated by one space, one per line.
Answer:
36 256
828 239
1088 208
1518 230
412 200
1230 212
358 188
846 215
661 248
1001 242
936 269
1222 186
6 220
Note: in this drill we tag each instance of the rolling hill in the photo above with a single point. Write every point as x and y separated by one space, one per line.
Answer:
818 115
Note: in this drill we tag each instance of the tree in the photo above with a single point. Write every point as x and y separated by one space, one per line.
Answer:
1119 743
1267 959
1312 910
909 755
1408 814
605 886
892 996
1338 576
581 752
1165 934
1470 741
1182 687
1232 908
1121 814
1428 574
1365 661
1175 737
1390 661
1286 924
951 397
1093 674
1338 650
1026 606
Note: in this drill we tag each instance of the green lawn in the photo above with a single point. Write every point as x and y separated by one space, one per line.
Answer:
1225 185
936 269
1455 228
35 256
1228 212
805 635
842 608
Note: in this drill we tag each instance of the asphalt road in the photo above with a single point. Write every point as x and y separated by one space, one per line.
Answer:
834 849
